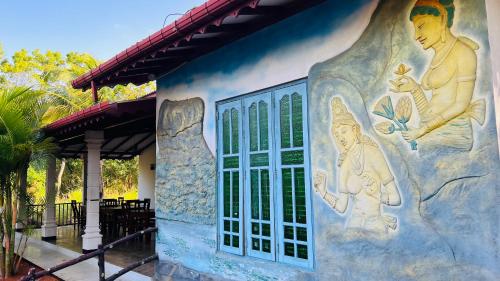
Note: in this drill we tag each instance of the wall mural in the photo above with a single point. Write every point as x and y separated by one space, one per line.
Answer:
410 161
445 118
364 175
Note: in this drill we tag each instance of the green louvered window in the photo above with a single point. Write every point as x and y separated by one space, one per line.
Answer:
263 163
293 176
259 171
230 177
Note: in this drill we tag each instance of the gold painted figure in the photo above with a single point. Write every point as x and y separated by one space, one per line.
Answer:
445 118
364 177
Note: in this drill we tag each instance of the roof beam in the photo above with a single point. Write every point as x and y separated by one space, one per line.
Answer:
134 149
120 144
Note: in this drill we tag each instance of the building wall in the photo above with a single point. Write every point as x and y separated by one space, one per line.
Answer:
444 225
147 174
493 13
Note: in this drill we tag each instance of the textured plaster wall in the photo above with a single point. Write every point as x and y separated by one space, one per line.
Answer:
250 64
186 168
281 53
446 225
493 13
447 221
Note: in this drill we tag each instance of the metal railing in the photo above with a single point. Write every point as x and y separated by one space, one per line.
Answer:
64 214
99 253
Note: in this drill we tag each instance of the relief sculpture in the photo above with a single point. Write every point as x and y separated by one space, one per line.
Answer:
445 118
365 179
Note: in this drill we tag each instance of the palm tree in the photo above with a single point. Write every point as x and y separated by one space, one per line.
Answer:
21 140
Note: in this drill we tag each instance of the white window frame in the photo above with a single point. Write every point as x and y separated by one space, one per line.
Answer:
242 103
299 88
247 102
220 177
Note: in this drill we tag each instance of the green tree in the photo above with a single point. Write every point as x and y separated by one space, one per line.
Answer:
51 73
20 140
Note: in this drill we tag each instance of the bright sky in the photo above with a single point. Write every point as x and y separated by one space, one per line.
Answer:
101 28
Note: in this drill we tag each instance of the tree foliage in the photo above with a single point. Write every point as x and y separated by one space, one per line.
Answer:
20 142
50 74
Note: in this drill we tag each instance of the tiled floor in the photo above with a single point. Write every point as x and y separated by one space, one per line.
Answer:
46 255
122 255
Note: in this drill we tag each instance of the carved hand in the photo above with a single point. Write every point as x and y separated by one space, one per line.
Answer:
403 84
320 183
413 134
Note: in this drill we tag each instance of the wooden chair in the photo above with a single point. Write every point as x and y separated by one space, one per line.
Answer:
78 215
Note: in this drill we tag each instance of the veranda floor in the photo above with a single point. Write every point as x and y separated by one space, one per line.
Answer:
123 255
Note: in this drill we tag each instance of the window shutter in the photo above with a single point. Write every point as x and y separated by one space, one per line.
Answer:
293 177
259 176
230 177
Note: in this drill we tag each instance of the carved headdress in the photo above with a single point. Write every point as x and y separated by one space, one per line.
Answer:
340 114
445 8
434 4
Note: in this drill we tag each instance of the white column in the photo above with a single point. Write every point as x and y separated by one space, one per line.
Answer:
146 181
92 237
49 227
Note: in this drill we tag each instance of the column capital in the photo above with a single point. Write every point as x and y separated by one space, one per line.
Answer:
94 137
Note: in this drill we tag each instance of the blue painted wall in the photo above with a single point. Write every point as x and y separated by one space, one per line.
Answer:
448 236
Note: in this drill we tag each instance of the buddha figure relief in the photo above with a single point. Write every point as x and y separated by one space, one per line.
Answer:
445 118
365 179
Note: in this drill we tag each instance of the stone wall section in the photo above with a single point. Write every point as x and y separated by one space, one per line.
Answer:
185 182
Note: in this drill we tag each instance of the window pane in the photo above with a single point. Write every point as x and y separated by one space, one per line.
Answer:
300 196
294 157
234 131
227 239
289 249
263 119
227 225
236 227
227 194
254 189
226 141
266 246
236 194
261 159
236 241
255 244
302 234
252 119
302 251
266 230
289 232
231 162
287 195
297 120
285 121
265 192
255 228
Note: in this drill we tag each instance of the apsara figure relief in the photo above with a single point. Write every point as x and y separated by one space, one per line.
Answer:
365 180
445 118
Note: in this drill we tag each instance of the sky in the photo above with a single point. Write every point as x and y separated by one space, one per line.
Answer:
101 28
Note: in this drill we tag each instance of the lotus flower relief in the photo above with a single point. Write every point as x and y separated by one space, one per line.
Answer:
384 108
399 117
385 128
403 110
402 69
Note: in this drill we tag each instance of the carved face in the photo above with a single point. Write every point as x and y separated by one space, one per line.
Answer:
345 135
428 29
